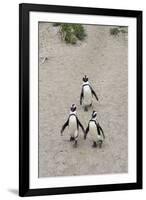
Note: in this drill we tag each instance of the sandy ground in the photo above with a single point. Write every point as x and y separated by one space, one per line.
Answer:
104 59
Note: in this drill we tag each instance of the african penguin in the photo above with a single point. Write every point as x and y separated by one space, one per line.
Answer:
73 124
95 131
87 93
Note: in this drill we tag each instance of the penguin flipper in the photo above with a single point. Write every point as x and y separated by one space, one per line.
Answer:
81 96
81 125
86 132
64 126
93 92
100 129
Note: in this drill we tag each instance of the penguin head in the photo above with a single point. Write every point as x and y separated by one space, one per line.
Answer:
85 79
73 108
94 114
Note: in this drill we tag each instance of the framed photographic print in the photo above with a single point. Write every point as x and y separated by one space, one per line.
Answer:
80 99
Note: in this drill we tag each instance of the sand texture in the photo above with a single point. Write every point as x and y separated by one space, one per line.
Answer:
104 58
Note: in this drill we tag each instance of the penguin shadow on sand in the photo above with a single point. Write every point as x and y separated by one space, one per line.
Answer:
73 123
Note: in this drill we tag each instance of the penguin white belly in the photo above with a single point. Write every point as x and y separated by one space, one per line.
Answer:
73 126
87 99
93 131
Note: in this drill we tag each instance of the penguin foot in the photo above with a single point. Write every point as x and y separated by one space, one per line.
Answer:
94 145
72 139
100 144
85 109
75 144
90 105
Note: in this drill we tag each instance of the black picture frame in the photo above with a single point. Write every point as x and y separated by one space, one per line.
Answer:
24 9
